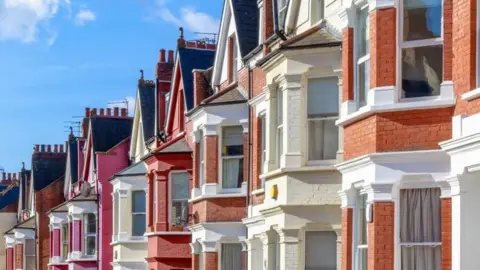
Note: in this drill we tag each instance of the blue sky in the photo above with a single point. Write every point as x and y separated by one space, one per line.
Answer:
59 56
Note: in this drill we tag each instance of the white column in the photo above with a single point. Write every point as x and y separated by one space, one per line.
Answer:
465 219
289 249
271 127
268 252
340 129
124 212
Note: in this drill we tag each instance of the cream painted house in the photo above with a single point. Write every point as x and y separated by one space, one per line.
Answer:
295 223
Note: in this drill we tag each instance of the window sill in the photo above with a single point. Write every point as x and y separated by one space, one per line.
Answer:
258 191
167 233
132 240
399 106
471 95
312 168
218 195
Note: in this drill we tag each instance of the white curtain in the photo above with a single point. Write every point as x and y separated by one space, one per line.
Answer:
420 223
231 257
231 171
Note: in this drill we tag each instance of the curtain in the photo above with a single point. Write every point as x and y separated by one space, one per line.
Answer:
231 257
420 223
231 171
320 250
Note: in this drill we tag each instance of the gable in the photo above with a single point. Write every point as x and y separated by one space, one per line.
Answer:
136 134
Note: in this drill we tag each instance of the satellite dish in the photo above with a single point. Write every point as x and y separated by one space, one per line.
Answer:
86 189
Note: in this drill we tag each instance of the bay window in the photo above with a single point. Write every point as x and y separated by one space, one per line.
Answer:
421 47
65 241
282 12
90 234
232 157
279 133
322 112
420 229
362 44
231 256
138 212
29 254
320 250
179 202
201 161
361 236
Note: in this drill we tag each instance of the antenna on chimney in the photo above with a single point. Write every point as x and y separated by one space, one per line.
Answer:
207 39
73 126
125 102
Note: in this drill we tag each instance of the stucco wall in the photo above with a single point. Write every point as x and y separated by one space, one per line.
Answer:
7 220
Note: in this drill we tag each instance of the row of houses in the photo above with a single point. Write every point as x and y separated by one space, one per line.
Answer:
319 134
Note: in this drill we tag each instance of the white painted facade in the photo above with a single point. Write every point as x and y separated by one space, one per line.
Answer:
7 221
307 199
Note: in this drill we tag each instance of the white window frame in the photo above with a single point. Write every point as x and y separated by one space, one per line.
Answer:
261 22
304 245
170 197
87 235
356 219
235 58
413 44
64 241
279 127
263 146
320 10
25 255
360 60
116 214
222 158
201 160
137 213
282 10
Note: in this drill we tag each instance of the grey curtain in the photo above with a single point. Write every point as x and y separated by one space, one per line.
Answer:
231 257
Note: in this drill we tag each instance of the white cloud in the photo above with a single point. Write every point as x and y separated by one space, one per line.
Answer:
84 15
24 19
188 17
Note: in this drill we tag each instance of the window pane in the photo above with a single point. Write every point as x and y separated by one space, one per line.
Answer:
90 245
179 212
139 225
232 141
322 139
362 220
138 201
260 25
90 223
362 258
322 97
421 258
363 82
279 107
363 33
420 215
320 251
232 173
422 19
180 186
231 256
422 69
30 247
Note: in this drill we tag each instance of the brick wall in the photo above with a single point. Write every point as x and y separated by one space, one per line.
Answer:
398 131
220 209
211 159
347 229
18 256
210 260
382 47
46 199
446 219
380 237
259 81
347 64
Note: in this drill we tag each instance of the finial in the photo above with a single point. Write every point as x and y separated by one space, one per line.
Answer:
141 74
181 32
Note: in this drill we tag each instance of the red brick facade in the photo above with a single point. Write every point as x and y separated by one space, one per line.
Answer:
210 260
347 240
380 237
347 64
446 219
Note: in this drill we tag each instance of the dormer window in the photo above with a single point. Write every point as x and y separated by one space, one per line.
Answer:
282 12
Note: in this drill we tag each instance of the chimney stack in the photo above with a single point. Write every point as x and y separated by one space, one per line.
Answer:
115 111
4 176
9 176
170 56
55 148
42 148
93 112
49 148
123 112
181 40
87 112
102 111
109 111
37 148
61 148
162 56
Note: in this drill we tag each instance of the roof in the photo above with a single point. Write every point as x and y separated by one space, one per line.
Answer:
320 35
11 196
146 93
190 59
139 168
180 146
232 95
245 13
73 150
26 224
46 168
108 132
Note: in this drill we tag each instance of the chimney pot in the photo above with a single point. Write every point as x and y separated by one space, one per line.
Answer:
124 112
37 148
102 111
93 112
87 112
162 55
4 176
115 111
109 111
170 56
55 148
49 148
61 148
9 176
19 175
42 148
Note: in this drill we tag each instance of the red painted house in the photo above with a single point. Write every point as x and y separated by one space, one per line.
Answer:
170 164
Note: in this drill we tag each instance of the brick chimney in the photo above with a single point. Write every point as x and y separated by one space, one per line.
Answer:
170 56
199 86
163 76
181 40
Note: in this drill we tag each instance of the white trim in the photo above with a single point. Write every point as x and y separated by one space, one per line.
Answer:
167 233
380 4
470 95
258 191
217 195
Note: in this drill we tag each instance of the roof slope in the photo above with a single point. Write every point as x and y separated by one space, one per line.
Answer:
246 17
46 168
146 94
190 59
11 196
73 149
108 132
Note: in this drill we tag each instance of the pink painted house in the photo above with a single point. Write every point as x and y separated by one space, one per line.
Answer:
82 226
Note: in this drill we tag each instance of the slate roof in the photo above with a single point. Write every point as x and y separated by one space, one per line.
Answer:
180 146
139 168
246 17
146 94
108 132
322 34
46 168
232 95
190 59
73 149
24 184
9 197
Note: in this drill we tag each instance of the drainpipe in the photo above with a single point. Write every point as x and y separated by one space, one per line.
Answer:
249 166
